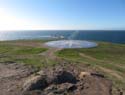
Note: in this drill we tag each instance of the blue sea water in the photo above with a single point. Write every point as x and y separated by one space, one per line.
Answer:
115 36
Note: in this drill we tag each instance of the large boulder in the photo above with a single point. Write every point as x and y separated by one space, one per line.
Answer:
64 77
35 82
63 81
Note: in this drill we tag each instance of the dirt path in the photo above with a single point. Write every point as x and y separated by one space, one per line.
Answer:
50 54
112 72
94 59
51 51
11 77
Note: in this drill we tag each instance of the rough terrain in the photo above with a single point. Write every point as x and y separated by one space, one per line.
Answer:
30 68
12 76
63 79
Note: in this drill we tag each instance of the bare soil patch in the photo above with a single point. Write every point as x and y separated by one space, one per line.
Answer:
12 76
61 80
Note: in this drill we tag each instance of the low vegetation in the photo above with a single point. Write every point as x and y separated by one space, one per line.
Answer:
25 52
107 58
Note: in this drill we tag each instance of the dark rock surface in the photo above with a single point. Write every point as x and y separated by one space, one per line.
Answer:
62 81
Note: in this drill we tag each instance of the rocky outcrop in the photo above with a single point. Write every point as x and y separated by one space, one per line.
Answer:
63 81
35 83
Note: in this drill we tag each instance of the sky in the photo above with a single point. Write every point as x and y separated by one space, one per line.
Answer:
62 14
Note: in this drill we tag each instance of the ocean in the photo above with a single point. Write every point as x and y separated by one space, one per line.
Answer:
114 36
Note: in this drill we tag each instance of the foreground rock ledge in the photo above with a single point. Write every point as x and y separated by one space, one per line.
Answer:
62 81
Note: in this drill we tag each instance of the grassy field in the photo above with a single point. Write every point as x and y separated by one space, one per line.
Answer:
25 52
107 58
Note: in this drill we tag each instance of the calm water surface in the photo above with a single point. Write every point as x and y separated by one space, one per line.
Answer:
95 35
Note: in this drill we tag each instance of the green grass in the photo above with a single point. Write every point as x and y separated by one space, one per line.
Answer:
107 55
29 50
69 53
107 52
10 51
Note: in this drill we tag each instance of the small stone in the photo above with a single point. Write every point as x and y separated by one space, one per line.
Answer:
83 74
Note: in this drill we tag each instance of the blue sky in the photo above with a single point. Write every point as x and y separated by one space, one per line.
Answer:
62 14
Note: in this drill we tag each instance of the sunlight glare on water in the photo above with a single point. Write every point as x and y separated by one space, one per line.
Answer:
71 44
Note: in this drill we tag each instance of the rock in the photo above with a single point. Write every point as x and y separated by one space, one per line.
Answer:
83 74
65 88
63 81
71 87
60 89
41 73
97 75
35 83
50 88
36 92
64 77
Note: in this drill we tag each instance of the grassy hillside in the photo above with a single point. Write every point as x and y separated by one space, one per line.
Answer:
107 58
25 52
